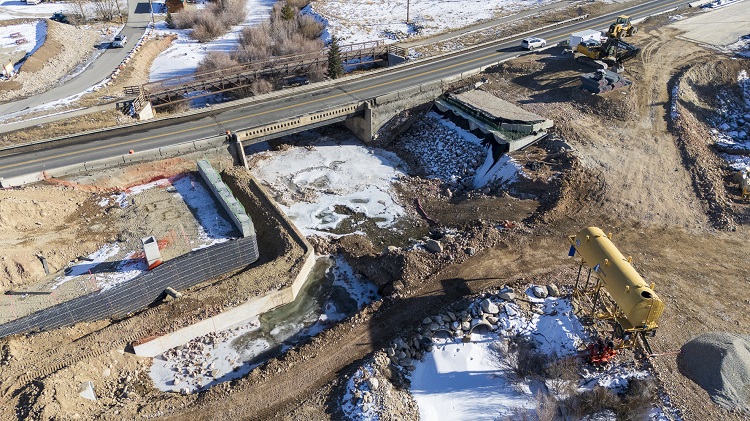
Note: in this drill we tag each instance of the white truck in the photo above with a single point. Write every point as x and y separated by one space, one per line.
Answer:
582 36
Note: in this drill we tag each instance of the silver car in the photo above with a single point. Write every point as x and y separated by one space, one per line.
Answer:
533 43
119 41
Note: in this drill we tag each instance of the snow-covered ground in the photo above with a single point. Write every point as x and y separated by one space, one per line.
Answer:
111 265
473 378
183 56
15 9
363 20
310 183
23 39
234 352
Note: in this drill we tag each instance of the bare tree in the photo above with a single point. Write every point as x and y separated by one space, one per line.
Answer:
107 10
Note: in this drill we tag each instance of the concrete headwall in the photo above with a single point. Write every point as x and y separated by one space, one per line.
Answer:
251 309
224 195
380 110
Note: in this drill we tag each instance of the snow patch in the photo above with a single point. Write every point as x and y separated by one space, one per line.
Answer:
311 183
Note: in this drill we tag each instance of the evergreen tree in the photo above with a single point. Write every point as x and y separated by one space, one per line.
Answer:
335 64
287 12
169 21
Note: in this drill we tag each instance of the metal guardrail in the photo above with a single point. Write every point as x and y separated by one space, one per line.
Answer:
176 89
180 273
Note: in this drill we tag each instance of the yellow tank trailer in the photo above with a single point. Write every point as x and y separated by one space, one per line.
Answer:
636 308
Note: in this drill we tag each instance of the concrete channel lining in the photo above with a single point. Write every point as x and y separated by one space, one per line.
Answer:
251 309
225 196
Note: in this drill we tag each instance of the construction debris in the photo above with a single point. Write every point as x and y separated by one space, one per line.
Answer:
603 81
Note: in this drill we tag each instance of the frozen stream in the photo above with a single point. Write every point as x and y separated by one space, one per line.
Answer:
331 293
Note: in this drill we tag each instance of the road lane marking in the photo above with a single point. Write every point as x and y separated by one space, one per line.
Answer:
344 93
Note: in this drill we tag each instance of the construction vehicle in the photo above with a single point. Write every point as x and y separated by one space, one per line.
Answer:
619 295
622 27
610 54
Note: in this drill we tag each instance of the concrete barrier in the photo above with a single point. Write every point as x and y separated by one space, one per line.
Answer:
21 180
141 156
178 149
211 142
101 164
65 170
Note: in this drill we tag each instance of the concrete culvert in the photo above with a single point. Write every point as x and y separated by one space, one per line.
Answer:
719 362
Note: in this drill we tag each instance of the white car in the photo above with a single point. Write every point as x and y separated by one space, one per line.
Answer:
533 43
119 41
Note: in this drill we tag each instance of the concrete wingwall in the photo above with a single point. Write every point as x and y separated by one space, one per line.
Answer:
380 110
226 198
253 307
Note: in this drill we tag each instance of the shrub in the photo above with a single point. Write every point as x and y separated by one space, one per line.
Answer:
186 19
524 359
208 28
296 44
258 37
637 399
317 73
216 60
261 86
563 375
309 27
298 4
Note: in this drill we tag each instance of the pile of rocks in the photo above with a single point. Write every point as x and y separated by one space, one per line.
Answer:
441 152
732 123
191 360
379 389
719 362
484 313
375 391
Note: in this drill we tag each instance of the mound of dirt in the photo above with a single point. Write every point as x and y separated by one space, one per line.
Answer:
719 362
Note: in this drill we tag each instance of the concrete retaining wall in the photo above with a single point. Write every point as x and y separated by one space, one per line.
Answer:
224 195
251 309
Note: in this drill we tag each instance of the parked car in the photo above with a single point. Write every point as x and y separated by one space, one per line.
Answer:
119 41
533 43
59 17
33 1
298 80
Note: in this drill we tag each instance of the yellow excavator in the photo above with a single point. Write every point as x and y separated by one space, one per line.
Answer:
610 54
622 27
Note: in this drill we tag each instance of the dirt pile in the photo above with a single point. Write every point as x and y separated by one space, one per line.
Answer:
720 363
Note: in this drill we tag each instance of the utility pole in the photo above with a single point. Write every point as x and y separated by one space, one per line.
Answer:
407 12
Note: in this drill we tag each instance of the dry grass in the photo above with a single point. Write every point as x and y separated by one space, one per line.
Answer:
64 127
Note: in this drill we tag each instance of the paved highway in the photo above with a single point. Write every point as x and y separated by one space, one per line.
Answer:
152 135
139 15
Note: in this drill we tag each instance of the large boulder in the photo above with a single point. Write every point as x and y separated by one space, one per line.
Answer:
433 246
489 307
539 291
